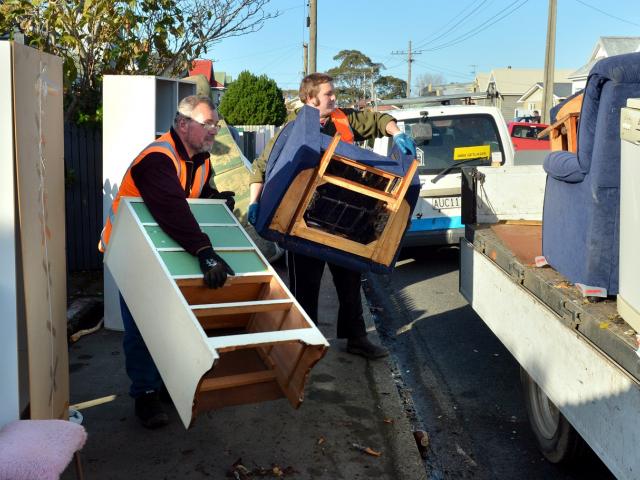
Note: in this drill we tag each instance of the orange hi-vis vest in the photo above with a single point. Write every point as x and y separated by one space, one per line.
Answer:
341 122
163 144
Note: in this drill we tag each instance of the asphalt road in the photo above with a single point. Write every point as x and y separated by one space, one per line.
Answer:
459 383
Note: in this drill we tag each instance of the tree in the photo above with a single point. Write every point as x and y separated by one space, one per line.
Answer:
424 80
252 100
390 87
353 77
99 37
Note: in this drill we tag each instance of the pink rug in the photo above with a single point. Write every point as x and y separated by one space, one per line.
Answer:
38 449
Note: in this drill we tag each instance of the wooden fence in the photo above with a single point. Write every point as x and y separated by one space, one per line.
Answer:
83 196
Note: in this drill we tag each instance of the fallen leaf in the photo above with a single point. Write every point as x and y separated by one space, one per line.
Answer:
367 450
372 452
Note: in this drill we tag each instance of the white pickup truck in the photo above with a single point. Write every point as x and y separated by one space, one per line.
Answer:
460 135
579 359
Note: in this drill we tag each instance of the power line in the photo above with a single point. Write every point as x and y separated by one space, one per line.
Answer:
447 70
478 29
262 53
607 14
286 54
463 19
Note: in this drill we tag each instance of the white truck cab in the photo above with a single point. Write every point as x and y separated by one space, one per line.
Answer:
457 135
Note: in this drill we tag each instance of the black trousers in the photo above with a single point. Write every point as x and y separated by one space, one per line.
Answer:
305 275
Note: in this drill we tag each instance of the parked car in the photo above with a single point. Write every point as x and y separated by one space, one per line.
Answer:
524 136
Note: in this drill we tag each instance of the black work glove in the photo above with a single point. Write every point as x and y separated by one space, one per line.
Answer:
227 196
214 268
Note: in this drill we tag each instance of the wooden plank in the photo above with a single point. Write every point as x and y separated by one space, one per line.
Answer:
392 234
405 184
234 308
357 187
235 280
283 218
362 166
216 399
219 325
250 340
38 89
221 383
240 292
293 384
300 229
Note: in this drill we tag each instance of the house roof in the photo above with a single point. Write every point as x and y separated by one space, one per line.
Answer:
616 45
515 81
205 67
560 90
482 80
606 47
222 78
583 71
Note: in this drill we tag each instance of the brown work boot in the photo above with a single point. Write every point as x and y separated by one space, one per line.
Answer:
362 346
150 411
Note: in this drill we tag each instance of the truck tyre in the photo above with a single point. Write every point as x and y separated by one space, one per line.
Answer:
557 439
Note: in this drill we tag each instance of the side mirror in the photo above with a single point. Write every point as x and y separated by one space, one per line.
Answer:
421 132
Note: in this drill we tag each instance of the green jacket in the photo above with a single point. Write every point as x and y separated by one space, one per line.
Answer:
365 125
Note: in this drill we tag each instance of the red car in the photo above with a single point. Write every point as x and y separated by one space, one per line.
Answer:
524 136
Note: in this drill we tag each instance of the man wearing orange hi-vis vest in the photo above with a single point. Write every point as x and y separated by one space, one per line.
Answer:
168 171
305 273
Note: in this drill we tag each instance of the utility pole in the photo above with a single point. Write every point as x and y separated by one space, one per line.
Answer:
409 55
549 62
312 21
373 91
305 59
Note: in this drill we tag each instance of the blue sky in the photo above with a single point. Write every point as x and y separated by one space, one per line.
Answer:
455 36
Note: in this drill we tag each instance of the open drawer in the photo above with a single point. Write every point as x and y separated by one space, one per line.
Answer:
248 341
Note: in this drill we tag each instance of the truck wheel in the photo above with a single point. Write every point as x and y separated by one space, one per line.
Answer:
557 439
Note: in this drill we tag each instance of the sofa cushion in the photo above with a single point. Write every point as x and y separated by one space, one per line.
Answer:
563 166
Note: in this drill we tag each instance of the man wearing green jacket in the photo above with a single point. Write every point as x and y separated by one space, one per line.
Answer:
305 273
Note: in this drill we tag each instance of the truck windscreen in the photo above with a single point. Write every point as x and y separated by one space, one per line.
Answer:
472 139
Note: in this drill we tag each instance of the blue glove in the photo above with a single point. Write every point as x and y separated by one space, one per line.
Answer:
252 214
405 143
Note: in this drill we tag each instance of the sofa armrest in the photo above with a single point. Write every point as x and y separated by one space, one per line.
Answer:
563 166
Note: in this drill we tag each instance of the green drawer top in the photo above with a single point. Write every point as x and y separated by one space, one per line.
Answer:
230 236
183 263
204 213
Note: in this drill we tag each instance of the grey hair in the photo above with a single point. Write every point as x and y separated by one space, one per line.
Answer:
188 104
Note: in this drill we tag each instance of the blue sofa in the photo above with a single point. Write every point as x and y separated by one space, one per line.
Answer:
582 198
300 146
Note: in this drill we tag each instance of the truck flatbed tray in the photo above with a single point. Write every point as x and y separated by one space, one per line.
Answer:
597 322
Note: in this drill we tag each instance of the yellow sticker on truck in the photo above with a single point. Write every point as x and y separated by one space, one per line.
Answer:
467 153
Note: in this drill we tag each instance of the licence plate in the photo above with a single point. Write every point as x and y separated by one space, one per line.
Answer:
444 203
